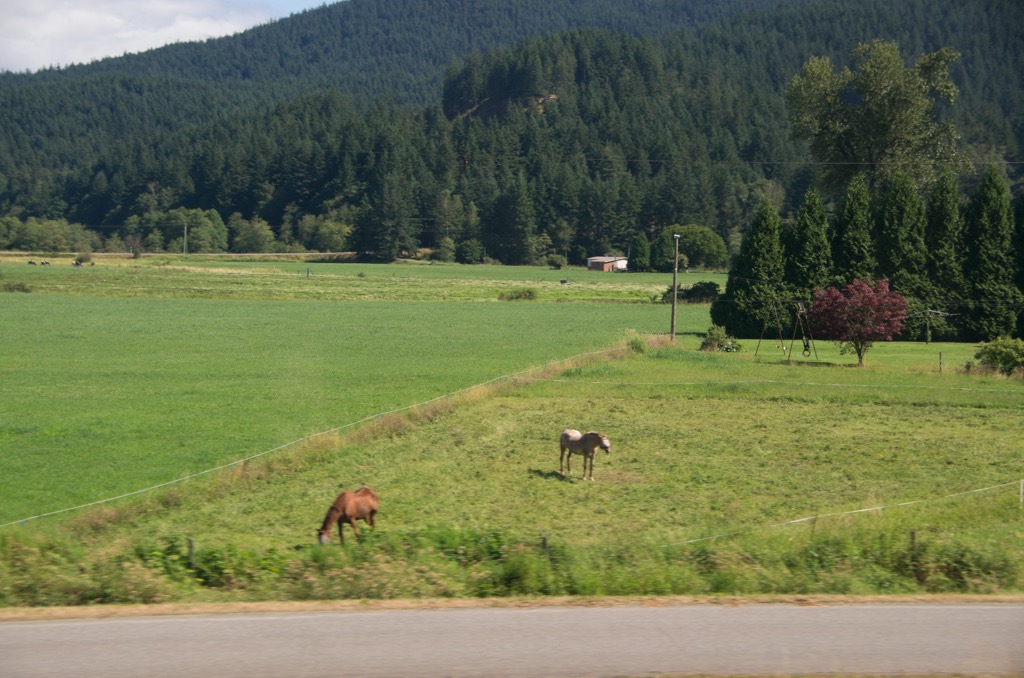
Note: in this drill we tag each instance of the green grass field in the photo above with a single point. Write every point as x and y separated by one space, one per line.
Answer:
714 455
103 396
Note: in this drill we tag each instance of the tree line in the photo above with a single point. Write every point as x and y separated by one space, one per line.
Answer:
570 145
958 261
899 216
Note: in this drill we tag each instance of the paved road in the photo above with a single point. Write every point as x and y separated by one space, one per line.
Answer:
563 641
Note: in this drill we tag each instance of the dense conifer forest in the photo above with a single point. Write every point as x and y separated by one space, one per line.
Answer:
519 132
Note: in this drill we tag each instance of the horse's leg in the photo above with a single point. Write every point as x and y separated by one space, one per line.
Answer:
355 530
561 460
589 458
341 531
370 520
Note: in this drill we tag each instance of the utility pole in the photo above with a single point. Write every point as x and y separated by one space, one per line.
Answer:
928 313
184 243
675 289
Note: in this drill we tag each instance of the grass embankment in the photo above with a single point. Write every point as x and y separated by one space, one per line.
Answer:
713 457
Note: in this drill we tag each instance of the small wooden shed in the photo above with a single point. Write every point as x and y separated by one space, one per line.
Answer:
607 263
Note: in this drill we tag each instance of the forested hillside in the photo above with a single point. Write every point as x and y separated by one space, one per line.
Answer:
567 144
61 119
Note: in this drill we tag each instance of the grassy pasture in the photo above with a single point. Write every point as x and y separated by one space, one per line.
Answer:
103 396
107 391
221 277
713 456
703 444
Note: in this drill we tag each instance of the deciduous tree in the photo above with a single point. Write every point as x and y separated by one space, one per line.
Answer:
702 246
858 315
880 115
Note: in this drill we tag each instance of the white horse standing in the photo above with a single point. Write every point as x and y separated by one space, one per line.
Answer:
584 444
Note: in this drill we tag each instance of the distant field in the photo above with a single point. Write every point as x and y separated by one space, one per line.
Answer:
236 278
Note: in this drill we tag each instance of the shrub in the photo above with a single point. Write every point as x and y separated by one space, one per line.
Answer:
704 292
521 294
445 250
716 339
1003 354
557 261
637 344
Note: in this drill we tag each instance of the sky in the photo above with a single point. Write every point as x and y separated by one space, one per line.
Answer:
38 34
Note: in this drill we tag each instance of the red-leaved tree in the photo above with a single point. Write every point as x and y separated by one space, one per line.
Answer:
858 315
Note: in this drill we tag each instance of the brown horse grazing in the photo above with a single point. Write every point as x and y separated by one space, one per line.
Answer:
585 444
348 508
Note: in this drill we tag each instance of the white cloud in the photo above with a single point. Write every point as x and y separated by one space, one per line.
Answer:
41 33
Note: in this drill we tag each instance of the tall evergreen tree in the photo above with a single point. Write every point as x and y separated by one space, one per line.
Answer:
640 253
853 247
663 250
808 256
1019 252
944 240
902 257
510 231
753 299
989 267
386 230
900 237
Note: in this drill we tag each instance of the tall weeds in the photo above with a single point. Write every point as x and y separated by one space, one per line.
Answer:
446 562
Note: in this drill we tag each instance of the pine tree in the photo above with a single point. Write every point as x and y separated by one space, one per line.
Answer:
853 248
1019 256
663 250
752 298
640 253
944 242
989 268
386 230
900 238
808 257
511 231
902 257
